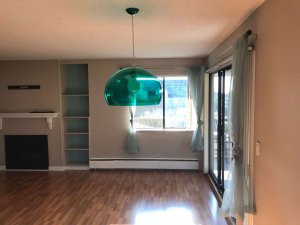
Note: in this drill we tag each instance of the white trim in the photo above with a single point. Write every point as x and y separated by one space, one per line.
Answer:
143 159
250 217
62 128
144 164
77 167
47 116
2 168
56 168
252 113
206 123
163 130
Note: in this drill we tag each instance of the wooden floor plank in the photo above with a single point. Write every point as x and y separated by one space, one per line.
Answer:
104 197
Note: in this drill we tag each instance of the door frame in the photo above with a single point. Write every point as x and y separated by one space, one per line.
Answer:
219 179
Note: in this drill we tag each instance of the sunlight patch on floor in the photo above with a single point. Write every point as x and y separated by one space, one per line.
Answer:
173 215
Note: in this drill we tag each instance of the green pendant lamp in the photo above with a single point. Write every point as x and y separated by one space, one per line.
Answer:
133 86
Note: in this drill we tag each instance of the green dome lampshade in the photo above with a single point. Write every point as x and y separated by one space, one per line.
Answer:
133 86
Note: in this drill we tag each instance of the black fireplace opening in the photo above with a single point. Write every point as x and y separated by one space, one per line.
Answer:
26 151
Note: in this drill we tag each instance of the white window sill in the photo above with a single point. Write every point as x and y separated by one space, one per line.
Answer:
164 130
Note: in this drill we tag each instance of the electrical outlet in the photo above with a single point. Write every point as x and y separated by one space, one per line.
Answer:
258 148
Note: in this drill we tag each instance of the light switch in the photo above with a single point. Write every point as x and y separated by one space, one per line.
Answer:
258 148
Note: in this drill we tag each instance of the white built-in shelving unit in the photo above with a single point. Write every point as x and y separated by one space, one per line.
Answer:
75 113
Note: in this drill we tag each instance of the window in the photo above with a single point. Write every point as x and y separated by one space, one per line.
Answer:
174 111
219 139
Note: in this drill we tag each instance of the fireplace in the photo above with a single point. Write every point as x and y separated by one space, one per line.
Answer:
26 152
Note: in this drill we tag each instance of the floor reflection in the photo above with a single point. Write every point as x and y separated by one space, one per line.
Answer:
172 215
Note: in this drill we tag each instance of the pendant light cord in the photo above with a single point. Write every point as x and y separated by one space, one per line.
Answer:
132 30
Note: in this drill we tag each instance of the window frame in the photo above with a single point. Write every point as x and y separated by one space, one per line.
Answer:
190 126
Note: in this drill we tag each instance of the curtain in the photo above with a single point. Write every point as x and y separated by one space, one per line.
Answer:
196 84
132 144
237 200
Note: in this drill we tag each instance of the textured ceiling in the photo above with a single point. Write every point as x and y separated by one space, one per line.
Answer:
86 29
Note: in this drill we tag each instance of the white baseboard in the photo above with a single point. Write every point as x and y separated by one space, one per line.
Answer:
189 164
2 168
77 167
56 168
96 163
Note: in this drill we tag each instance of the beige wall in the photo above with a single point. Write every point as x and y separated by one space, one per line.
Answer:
45 74
276 171
108 125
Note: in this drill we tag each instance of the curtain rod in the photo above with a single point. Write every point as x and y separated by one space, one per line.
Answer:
226 62
248 33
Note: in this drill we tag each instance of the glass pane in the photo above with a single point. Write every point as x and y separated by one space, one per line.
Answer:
149 117
214 124
176 102
227 139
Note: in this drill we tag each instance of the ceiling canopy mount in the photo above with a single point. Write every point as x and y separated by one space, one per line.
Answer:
132 11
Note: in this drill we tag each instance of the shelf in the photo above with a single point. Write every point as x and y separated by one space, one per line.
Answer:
76 116
74 95
75 157
74 78
76 105
47 116
77 149
77 141
76 125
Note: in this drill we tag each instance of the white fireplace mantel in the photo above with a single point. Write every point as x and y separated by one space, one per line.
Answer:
47 116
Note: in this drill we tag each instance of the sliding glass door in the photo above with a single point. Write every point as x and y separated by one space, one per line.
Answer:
219 137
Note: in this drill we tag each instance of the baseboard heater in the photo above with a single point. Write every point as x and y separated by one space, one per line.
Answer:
121 163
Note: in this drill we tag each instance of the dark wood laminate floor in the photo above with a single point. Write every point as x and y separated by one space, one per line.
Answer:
107 197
